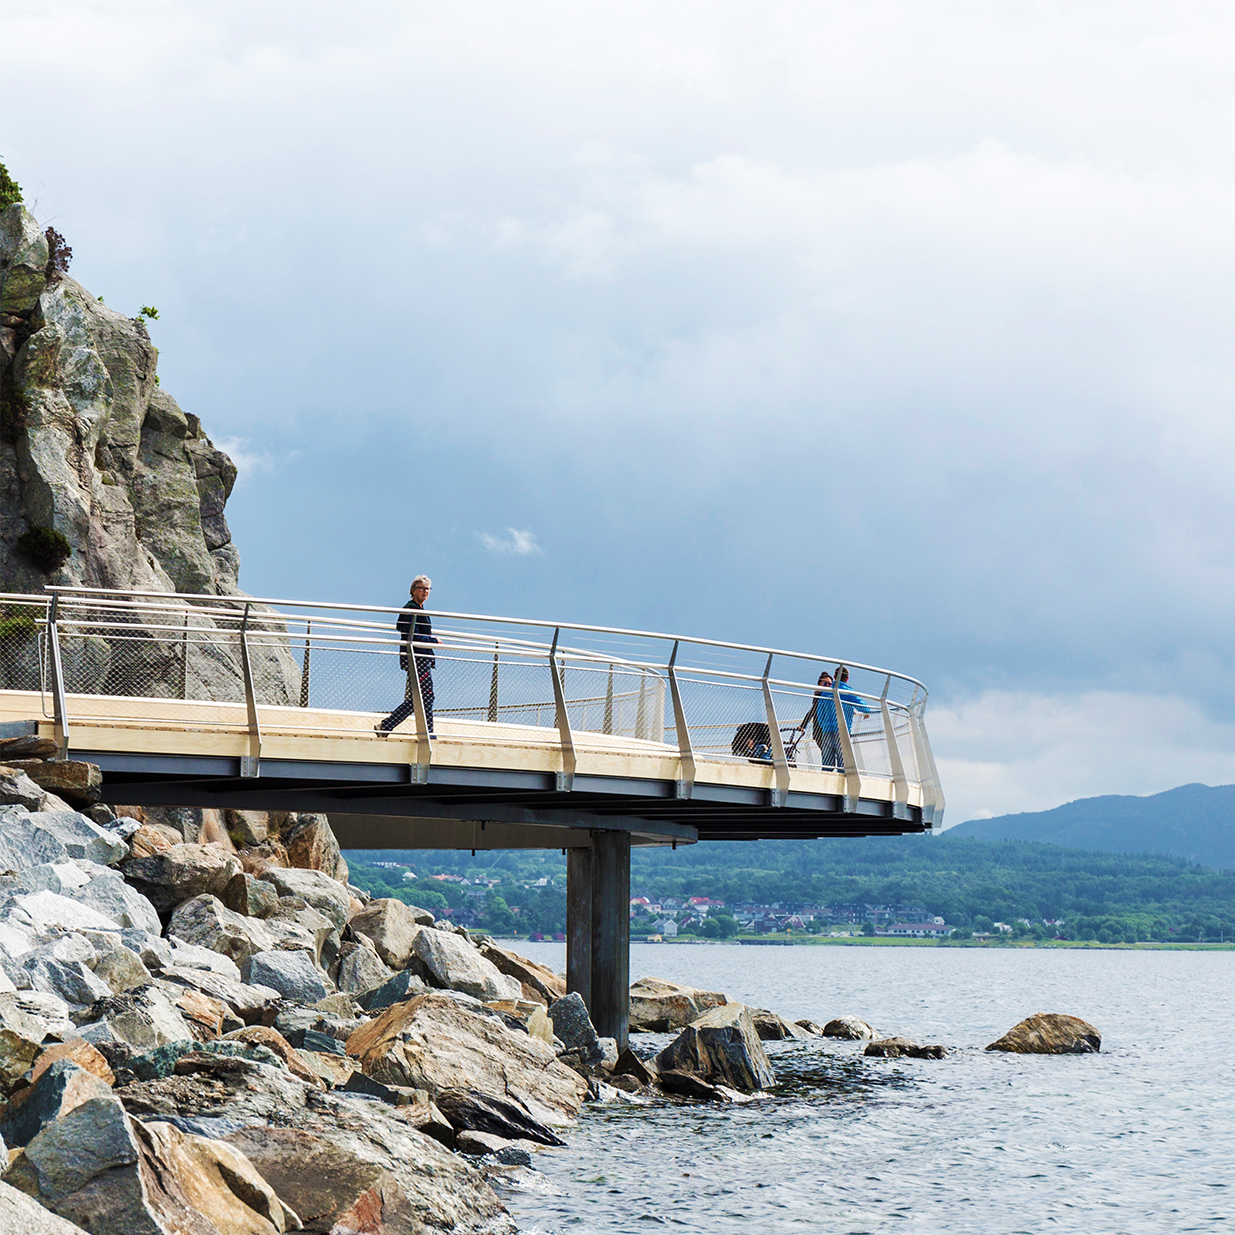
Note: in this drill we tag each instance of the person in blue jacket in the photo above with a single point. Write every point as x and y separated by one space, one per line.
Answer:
822 715
416 631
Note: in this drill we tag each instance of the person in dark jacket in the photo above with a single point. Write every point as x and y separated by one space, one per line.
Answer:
416 633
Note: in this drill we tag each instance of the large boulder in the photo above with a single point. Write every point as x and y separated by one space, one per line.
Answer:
205 921
107 892
657 1006
391 927
343 1163
24 1216
573 1027
311 844
1050 1033
82 837
79 784
454 963
538 981
851 1028
118 1176
434 1042
17 789
59 1088
48 911
181 873
20 1037
144 1017
250 1004
359 968
23 843
328 896
23 270
722 1047
292 974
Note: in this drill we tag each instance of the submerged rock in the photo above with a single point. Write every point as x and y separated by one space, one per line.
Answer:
722 1047
903 1048
1050 1033
851 1028
773 1028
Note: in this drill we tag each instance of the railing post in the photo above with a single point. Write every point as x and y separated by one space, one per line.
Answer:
59 702
780 763
607 724
493 687
566 777
184 657
932 791
250 764
900 785
304 672
853 778
424 744
686 754
641 711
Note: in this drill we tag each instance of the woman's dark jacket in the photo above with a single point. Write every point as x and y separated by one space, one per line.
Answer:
420 627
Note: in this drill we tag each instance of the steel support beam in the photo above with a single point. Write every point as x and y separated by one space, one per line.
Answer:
579 922
610 1004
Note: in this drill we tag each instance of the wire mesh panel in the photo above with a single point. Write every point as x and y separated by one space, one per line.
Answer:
482 678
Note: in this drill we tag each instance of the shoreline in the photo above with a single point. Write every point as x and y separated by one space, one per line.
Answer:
886 942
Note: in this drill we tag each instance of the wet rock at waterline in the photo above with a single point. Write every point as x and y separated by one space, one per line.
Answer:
850 1028
773 1028
1050 1033
721 1047
657 1006
903 1048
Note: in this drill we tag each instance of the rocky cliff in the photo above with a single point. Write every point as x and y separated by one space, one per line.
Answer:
92 447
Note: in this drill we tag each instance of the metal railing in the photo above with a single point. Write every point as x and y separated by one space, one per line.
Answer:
493 678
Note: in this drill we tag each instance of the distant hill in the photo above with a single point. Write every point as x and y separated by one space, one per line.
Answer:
1196 822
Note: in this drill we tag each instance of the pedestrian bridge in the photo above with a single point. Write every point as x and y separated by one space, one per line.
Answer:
542 731
542 734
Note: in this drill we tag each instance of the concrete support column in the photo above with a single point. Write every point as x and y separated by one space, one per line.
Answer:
610 1002
579 923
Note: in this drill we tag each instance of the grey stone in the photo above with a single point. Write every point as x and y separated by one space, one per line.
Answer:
320 891
63 1086
192 956
154 951
49 1011
249 896
721 1047
111 896
20 1037
251 1004
24 250
45 911
71 981
82 837
292 974
62 878
161 1063
458 965
903 1048
206 922
17 789
404 985
851 1028
23 844
121 969
573 1026
182 873
360 969
145 1017
391 927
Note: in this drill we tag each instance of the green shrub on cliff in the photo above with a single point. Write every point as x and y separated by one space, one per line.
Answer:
10 190
45 547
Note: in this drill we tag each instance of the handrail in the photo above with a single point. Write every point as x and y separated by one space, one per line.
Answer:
482 617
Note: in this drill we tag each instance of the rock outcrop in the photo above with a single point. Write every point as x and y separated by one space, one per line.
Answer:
1050 1033
903 1048
721 1047
657 1006
852 1028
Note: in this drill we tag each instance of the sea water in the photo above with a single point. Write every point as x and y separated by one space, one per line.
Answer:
1140 1138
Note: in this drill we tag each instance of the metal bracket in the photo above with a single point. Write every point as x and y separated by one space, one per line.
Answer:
900 783
853 778
59 703
779 761
250 764
686 754
424 744
566 777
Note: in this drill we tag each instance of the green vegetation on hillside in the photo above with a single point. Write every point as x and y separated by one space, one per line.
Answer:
10 191
970 883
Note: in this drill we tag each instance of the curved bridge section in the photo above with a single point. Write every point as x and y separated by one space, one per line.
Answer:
511 734
518 733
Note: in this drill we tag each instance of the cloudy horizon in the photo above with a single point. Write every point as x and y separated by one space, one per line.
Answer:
894 334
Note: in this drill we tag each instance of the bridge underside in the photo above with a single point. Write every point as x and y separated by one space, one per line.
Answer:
377 806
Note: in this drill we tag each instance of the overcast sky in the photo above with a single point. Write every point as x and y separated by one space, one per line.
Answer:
897 331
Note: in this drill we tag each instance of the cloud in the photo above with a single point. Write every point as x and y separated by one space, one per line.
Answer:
1008 751
249 462
517 542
